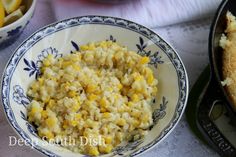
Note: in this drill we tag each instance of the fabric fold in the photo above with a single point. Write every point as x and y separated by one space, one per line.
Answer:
151 13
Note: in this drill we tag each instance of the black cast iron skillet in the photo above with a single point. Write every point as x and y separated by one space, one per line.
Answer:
214 92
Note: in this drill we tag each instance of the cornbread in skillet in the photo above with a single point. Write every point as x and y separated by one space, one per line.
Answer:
228 43
103 91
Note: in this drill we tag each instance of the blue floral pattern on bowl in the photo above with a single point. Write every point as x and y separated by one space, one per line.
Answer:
33 67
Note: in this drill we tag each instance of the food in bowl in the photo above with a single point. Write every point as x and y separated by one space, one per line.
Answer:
102 92
228 43
11 10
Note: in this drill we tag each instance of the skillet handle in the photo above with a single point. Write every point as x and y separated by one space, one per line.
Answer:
212 95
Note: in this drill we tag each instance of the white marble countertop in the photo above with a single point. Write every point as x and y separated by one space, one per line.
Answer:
189 39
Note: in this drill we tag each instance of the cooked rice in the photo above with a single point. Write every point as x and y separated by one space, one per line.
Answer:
104 90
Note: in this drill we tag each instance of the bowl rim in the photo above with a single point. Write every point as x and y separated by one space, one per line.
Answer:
180 105
23 18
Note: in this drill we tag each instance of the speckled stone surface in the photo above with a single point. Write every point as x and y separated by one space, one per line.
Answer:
190 41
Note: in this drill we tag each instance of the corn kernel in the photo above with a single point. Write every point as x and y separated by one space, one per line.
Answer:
65 124
116 96
78 116
91 46
66 63
84 47
138 78
103 102
46 62
136 123
145 118
93 151
120 86
155 90
76 107
72 93
51 103
49 135
135 98
50 121
103 44
105 149
150 79
136 114
144 60
106 115
41 81
121 122
73 123
50 56
44 114
77 57
34 110
91 88
76 67
102 110
109 89
108 139
130 104
92 97
34 86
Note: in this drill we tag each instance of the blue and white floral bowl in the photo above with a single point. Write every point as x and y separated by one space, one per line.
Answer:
66 36
9 33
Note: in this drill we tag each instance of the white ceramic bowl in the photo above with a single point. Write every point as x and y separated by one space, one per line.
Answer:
65 36
9 33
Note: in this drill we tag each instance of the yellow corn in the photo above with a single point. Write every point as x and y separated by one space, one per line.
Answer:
136 114
34 110
66 63
91 88
105 149
92 97
76 107
103 102
49 135
51 103
102 110
91 46
130 104
106 115
72 93
145 118
135 98
121 122
138 78
76 67
34 86
65 124
155 90
120 86
136 123
50 121
50 56
104 44
46 63
41 81
144 60
84 47
93 151
77 57
73 122
78 116
44 114
150 79
108 139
